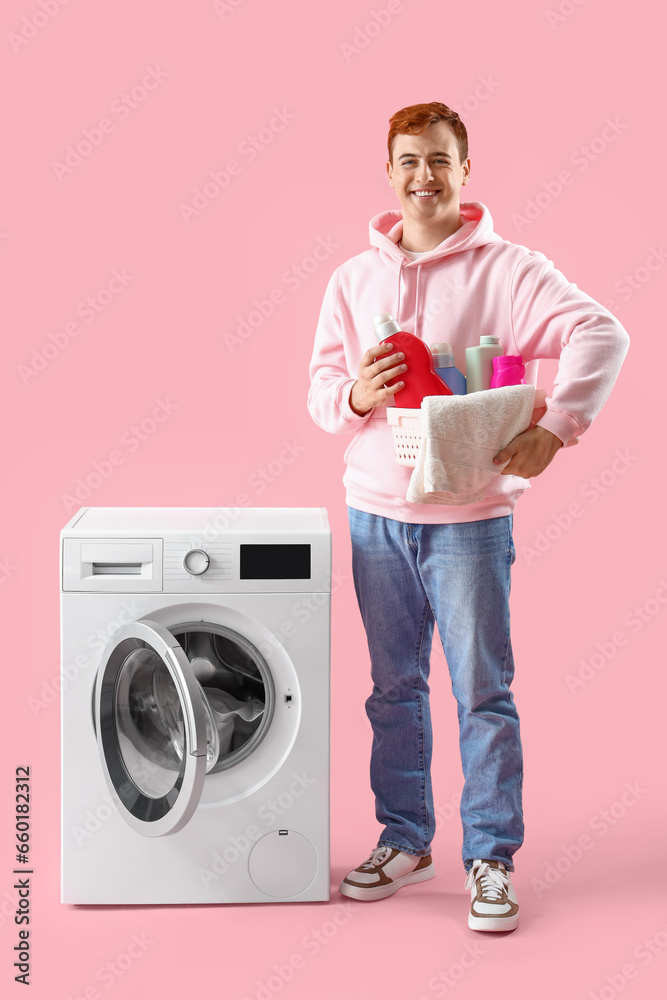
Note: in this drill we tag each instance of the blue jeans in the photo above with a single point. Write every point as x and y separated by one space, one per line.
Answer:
406 577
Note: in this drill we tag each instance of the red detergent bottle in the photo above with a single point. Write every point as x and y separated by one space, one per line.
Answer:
420 377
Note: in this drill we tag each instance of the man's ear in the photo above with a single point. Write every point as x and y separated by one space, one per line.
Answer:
390 171
466 177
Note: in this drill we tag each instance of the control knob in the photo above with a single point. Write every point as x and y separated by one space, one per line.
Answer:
196 562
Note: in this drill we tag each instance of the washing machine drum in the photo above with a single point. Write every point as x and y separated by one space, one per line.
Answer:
172 707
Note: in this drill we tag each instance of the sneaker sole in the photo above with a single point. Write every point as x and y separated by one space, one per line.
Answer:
382 891
493 923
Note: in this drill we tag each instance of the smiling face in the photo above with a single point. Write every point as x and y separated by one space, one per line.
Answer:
427 175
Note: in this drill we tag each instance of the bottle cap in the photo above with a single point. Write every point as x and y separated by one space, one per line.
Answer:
488 340
506 360
443 356
385 325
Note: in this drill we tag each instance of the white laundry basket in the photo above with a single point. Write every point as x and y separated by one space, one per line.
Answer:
406 427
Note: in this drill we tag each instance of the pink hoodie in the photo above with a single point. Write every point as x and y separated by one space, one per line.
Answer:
474 283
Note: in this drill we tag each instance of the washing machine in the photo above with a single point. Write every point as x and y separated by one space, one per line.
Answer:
195 694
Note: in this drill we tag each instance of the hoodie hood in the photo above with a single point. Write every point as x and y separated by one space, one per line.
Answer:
386 230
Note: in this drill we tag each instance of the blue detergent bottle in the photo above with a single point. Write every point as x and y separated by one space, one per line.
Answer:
443 362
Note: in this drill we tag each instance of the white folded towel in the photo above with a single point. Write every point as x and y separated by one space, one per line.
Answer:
460 436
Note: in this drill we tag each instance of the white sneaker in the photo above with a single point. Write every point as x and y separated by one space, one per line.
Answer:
384 872
493 903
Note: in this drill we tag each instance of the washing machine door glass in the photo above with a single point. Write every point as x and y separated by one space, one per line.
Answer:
152 728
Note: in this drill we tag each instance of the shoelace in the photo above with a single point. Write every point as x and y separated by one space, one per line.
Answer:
494 881
376 858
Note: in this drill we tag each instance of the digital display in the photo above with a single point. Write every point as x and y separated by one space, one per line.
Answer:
275 562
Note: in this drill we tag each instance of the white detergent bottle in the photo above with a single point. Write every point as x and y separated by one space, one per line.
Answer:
479 363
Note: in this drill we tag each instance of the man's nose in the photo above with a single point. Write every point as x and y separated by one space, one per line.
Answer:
425 173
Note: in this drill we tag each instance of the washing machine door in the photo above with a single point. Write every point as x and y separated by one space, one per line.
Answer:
151 728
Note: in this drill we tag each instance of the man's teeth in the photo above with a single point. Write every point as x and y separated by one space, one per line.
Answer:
424 194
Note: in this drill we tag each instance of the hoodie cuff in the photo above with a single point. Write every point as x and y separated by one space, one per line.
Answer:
560 424
346 411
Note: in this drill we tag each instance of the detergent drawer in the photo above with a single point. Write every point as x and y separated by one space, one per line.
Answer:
119 566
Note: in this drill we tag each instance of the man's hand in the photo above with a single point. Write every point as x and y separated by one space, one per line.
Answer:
370 390
530 453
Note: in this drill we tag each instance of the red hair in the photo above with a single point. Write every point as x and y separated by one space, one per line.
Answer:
416 118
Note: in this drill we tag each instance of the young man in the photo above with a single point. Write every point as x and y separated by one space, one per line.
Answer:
438 267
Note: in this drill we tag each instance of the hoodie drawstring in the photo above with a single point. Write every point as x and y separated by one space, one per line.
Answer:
397 314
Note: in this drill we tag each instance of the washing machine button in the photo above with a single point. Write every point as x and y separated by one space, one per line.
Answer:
196 562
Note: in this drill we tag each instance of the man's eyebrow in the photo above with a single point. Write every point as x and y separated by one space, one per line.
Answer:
414 155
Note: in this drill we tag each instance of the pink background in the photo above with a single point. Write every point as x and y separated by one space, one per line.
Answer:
532 87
